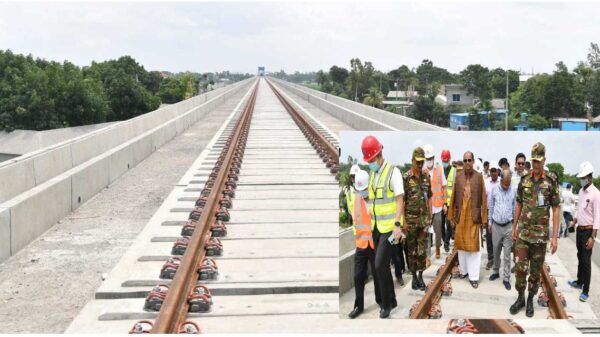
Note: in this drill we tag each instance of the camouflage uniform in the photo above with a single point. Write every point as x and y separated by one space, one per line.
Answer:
417 192
533 232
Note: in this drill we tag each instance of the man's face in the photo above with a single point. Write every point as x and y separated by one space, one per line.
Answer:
418 164
520 164
486 167
429 162
468 162
505 182
494 174
505 166
538 166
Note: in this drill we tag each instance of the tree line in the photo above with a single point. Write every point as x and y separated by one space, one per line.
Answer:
36 94
563 93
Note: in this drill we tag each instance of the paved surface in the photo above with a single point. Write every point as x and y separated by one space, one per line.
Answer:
490 300
280 260
60 271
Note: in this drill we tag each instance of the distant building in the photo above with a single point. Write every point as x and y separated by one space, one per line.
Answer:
570 124
596 122
261 71
461 119
456 94
400 99
499 103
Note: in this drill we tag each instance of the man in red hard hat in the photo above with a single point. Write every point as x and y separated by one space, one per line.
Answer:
449 173
386 195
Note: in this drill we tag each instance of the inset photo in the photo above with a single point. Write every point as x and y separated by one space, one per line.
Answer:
478 225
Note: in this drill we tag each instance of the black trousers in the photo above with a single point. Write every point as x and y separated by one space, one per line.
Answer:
383 257
448 231
584 258
362 259
398 259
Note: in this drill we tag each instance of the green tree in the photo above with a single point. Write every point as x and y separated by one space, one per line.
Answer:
477 80
558 169
536 121
374 98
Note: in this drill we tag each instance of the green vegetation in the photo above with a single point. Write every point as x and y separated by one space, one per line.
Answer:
563 93
36 94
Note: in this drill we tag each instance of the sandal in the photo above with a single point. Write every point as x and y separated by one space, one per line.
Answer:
461 276
474 284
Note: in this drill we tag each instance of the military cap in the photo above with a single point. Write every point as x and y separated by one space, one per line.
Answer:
538 152
418 154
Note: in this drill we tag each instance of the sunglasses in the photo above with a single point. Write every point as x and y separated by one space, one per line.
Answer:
520 163
467 160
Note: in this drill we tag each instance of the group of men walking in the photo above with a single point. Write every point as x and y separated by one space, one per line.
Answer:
394 215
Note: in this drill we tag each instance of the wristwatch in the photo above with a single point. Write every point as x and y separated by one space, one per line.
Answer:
397 223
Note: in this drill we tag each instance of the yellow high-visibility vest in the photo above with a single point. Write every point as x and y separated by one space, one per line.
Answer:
383 201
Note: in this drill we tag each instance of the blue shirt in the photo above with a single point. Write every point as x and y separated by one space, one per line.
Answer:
501 204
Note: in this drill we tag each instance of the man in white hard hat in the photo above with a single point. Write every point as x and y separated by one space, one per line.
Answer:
438 200
586 222
365 248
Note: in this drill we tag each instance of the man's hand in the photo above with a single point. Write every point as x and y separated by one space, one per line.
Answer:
445 209
397 233
590 243
553 245
514 235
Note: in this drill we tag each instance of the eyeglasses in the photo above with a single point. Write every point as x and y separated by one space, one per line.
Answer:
520 163
467 160
420 163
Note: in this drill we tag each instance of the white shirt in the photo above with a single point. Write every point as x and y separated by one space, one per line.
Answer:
435 210
396 182
489 185
568 201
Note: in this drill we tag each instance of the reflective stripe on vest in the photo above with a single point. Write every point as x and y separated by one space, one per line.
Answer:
383 201
437 199
450 184
350 201
363 234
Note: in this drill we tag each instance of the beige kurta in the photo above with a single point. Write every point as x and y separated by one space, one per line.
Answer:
467 233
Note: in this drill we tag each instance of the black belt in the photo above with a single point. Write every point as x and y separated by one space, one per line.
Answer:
502 224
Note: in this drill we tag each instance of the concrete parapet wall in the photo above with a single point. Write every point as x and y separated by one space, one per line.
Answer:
41 165
357 115
346 268
40 188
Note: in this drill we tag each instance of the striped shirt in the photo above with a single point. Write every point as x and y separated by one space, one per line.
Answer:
501 205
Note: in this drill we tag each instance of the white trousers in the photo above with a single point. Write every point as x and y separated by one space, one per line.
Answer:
469 263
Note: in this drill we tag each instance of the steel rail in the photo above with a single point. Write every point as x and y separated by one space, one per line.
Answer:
555 306
328 151
432 295
175 307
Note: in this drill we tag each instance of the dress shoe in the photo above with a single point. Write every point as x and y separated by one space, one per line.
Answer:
384 313
355 313
446 248
519 304
529 309
437 252
494 276
400 280
506 284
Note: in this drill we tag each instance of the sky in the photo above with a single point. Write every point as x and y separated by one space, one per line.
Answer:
568 148
301 36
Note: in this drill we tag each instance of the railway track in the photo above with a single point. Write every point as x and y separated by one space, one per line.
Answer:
277 266
430 306
249 233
